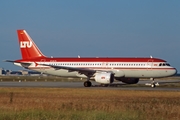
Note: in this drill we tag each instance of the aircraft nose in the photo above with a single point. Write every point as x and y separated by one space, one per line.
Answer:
174 71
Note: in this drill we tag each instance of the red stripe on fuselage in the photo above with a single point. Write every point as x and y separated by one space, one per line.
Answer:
92 60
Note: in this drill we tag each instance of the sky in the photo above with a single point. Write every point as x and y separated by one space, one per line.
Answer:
92 28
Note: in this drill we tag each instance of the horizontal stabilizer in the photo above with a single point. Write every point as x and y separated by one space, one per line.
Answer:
9 61
23 64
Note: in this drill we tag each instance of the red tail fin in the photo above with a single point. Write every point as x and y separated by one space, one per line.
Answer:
27 46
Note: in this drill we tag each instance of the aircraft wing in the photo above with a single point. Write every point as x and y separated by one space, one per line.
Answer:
71 69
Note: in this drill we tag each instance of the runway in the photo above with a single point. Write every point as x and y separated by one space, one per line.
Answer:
116 86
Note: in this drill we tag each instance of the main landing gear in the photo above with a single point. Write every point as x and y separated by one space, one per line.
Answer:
87 83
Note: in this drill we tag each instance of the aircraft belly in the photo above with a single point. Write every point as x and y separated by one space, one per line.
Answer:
146 73
133 73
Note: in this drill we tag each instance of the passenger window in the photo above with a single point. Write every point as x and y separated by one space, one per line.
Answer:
160 64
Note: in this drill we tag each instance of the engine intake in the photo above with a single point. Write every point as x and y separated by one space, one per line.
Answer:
105 78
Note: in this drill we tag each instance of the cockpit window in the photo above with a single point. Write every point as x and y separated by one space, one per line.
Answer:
164 64
167 64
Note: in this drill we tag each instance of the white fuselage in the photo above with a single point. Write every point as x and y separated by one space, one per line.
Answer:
120 69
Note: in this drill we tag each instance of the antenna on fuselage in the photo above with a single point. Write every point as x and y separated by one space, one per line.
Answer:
151 56
79 56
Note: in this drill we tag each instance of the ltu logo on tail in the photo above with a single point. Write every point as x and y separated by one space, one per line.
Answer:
26 44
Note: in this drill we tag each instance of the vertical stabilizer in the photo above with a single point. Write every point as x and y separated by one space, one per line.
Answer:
27 46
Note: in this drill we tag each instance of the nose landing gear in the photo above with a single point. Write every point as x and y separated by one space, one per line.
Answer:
152 84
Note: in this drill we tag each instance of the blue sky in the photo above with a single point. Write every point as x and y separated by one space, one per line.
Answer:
91 28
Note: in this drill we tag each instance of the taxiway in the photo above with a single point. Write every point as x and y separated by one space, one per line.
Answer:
117 85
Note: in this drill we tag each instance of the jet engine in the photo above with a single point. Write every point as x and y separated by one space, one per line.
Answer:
104 78
128 80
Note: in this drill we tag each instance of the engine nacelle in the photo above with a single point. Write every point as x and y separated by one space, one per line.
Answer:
128 80
104 78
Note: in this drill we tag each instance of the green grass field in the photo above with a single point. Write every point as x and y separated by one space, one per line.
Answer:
87 104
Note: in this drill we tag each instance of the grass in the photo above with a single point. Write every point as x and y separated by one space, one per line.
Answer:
87 104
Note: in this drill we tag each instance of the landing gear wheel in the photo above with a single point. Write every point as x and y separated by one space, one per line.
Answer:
153 85
87 84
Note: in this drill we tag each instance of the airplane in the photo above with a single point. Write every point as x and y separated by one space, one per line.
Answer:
103 70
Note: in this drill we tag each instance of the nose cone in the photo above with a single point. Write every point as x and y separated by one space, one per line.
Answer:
173 71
